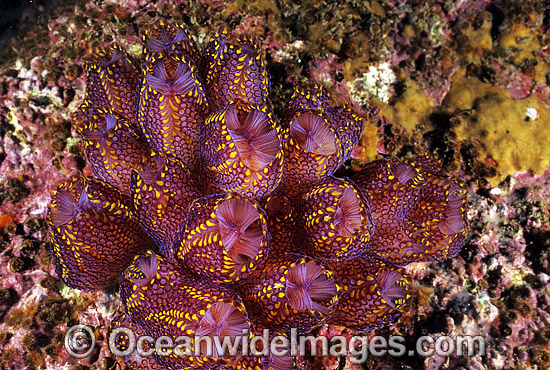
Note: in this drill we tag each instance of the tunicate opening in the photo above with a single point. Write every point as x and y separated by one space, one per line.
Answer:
162 38
241 229
313 134
171 76
404 172
393 288
143 270
110 57
309 288
347 218
221 319
452 220
255 138
69 203
280 362
278 206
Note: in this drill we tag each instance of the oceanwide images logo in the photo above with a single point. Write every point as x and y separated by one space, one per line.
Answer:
80 342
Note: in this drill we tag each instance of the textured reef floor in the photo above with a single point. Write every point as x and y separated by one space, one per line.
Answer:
468 81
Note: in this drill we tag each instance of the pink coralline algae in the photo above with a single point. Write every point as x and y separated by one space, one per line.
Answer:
216 218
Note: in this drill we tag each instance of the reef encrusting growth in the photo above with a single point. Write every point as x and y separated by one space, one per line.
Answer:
267 238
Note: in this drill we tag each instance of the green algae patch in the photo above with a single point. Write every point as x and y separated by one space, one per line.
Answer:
513 133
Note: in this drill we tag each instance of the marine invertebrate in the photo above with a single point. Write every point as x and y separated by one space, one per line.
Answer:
162 189
234 69
373 293
338 221
172 105
16 265
112 80
290 293
419 211
217 200
110 144
87 212
224 238
243 150
28 340
163 300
